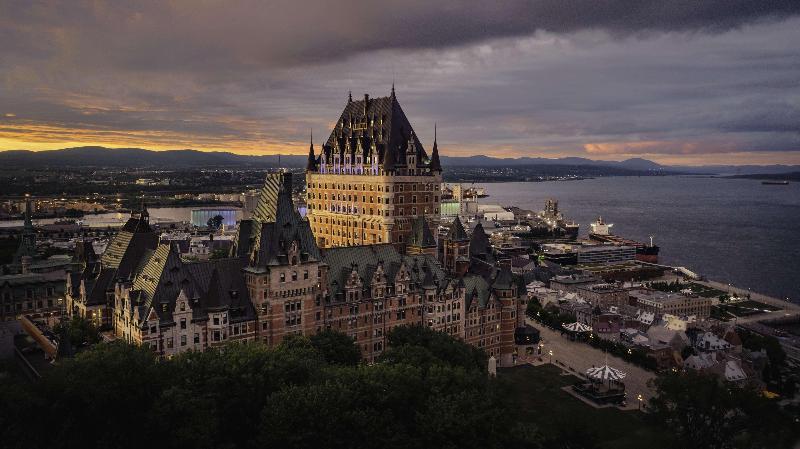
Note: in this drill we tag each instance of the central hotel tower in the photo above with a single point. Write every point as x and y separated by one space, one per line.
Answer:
372 178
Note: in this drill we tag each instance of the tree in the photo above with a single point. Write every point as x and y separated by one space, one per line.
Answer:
443 348
81 331
215 222
218 253
704 412
336 347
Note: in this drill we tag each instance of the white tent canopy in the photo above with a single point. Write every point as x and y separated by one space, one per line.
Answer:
605 372
577 327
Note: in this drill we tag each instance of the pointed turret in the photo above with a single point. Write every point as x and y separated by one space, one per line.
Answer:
435 165
28 221
421 239
311 165
457 233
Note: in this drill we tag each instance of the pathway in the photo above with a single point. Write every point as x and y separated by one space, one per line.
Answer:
580 356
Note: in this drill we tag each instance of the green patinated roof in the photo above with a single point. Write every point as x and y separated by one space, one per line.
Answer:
457 232
209 285
476 289
276 225
423 268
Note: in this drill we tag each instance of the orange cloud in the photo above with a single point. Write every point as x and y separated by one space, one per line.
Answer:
643 147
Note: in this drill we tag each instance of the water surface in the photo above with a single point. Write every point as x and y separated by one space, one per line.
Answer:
732 230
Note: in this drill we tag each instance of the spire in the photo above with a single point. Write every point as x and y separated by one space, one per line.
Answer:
349 96
457 232
435 164
28 222
312 161
393 88
143 214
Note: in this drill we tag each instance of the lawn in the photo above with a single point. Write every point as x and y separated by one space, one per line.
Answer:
536 391
705 291
746 308
757 305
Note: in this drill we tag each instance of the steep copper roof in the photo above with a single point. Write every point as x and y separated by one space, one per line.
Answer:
479 245
209 285
457 233
377 128
268 238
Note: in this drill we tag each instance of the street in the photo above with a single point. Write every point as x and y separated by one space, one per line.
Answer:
580 356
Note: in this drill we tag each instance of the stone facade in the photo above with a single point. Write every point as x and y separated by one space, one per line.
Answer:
603 295
678 304
372 178
31 293
278 282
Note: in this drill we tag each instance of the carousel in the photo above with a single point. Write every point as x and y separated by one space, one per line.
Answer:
604 385
576 330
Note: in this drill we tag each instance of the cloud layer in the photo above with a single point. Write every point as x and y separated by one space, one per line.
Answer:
611 79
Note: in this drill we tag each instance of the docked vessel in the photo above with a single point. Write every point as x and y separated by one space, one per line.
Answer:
775 183
551 223
601 232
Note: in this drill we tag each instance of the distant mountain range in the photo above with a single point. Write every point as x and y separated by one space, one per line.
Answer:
141 158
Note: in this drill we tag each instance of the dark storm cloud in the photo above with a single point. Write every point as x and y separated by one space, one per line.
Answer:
549 77
222 35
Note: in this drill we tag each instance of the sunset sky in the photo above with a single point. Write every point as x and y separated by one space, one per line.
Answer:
679 82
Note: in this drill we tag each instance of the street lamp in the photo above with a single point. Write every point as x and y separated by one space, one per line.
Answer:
640 399
551 356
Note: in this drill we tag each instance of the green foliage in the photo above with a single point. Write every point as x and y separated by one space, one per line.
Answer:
778 376
634 355
215 222
672 287
757 342
420 345
707 413
81 331
336 347
548 316
218 253
303 393
554 320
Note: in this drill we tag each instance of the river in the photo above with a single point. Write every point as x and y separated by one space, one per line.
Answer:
732 230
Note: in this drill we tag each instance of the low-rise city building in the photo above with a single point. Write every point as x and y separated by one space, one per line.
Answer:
662 303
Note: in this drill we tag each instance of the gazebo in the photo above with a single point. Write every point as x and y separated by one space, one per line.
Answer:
597 391
605 372
577 327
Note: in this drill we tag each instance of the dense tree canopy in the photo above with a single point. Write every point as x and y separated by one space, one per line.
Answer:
81 332
707 413
304 393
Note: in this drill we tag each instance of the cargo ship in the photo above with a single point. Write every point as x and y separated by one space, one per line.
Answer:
775 183
554 222
601 232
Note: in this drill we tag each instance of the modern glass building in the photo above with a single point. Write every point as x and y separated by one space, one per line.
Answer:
200 217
